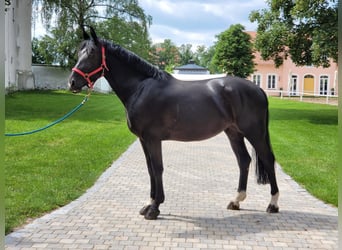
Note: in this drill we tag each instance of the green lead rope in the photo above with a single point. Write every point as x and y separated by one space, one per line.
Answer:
53 123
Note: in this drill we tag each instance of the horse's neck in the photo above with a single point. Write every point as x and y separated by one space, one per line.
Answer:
124 81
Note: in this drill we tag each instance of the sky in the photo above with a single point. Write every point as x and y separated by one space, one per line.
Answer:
195 22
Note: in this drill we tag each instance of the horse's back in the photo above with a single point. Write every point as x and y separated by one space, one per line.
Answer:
233 96
228 84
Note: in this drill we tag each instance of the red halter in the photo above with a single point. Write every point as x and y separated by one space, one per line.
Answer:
102 67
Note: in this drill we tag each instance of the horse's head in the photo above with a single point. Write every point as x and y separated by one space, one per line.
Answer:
91 63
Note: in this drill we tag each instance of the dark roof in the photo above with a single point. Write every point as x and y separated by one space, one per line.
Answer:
191 66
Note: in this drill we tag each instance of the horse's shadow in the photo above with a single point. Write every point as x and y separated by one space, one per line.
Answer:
252 223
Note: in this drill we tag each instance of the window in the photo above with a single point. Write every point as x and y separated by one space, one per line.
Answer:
257 79
323 85
293 85
271 81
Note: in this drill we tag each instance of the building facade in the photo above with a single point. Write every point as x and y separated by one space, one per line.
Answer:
292 80
18 51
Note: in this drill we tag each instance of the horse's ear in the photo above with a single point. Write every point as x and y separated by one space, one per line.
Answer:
85 34
93 34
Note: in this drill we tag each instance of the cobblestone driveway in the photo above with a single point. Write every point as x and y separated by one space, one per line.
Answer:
200 178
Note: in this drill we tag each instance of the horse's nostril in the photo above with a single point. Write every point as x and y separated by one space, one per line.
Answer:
72 83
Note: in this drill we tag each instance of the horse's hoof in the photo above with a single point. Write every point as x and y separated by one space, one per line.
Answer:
152 213
233 206
144 210
272 209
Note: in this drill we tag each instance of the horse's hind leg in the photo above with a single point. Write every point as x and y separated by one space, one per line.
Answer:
239 147
265 170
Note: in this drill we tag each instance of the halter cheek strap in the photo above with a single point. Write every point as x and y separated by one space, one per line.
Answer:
87 76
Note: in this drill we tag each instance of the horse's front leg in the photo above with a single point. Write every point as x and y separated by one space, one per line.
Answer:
144 210
153 154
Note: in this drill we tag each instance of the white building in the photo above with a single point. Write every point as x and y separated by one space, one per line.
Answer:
18 51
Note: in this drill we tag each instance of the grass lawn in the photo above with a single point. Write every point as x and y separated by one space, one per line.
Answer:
304 140
49 169
46 170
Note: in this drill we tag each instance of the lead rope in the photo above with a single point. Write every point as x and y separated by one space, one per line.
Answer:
86 98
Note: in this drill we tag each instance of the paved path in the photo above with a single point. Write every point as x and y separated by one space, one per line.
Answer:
200 179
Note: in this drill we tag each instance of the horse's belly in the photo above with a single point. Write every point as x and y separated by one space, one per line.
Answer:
196 131
197 121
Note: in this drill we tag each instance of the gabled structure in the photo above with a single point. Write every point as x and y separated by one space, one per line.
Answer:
191 68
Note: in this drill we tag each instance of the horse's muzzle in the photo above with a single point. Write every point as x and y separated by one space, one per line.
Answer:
72 86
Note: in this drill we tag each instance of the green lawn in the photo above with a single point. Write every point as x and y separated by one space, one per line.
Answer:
49 169
304 139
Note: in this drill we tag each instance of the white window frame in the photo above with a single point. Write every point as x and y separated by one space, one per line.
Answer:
274 82
294 82
256 79
324 80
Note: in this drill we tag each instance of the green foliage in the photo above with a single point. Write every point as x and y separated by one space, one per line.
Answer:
204 57
39 52
306 30
129 34
185 54
70 15
234 53
165 55
49 169
60 48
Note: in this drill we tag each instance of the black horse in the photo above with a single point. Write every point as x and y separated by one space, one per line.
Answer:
160 107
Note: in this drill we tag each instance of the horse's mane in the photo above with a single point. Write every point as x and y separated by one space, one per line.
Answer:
135 61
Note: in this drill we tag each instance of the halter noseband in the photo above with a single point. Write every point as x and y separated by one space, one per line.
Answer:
87 76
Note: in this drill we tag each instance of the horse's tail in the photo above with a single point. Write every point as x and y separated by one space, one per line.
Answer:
260 171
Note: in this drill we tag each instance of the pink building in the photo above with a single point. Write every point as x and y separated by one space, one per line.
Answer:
294 80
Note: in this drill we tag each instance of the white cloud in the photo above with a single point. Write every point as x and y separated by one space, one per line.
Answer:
178 36
197 21
166 7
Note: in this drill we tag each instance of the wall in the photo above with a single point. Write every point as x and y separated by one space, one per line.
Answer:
18 74
54 77
288 70
50 77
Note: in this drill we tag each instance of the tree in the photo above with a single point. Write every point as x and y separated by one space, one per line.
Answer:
69 15
185 54
306 30
39 54
165 55
129 34
234 53
204 57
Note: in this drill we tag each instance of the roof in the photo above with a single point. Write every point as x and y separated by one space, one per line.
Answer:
191 66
